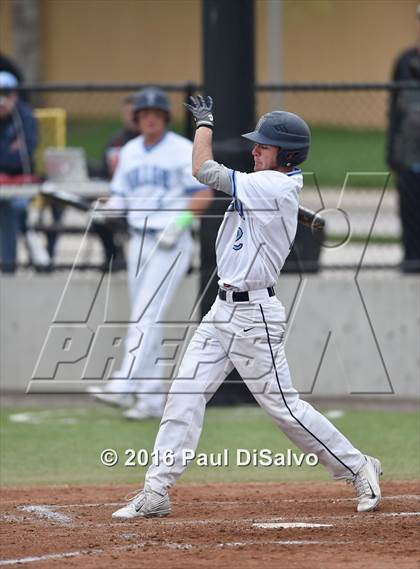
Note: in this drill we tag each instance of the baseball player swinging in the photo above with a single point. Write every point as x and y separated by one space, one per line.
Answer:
245 325
153 183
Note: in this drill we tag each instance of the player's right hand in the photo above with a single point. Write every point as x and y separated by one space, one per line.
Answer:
202 111
168 237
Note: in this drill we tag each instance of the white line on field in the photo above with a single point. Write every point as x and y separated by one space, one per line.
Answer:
99 504
304 521
233 502
38 417
23 560
171 545
47 513
356 517
415 497
282 542
280 525
251 542
403 514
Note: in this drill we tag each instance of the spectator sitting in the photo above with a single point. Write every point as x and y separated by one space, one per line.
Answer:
18 139
119 138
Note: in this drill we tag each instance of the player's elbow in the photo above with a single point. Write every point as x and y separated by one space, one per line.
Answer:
215 176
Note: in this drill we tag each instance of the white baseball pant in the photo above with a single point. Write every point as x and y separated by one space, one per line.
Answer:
248 336
153 277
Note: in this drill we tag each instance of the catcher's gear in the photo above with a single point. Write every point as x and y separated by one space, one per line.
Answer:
287 131
202 111
151 98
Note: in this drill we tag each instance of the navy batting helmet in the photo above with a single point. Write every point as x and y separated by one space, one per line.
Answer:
285 130
151 98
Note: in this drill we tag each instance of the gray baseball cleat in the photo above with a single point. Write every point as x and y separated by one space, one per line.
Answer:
366 482
121 400
146 504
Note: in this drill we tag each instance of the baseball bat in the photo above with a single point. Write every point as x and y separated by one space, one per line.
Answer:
310 218
62 198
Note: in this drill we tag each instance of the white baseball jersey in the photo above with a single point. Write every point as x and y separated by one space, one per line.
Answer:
258 228
155 181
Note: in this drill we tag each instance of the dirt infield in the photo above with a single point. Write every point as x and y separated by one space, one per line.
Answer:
236 525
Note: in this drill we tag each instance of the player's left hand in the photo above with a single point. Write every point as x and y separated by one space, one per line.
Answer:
168 237
202 110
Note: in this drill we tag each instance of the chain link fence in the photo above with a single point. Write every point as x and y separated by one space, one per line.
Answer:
346 176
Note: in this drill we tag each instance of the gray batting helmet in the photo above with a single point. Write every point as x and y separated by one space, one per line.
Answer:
151 98
287 131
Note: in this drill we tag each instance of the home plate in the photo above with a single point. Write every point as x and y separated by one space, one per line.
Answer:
280 525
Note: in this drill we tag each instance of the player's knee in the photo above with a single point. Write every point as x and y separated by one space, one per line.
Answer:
283 409
180 405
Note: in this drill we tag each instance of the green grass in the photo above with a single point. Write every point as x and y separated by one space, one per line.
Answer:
64 447
361 239
334 151
92 135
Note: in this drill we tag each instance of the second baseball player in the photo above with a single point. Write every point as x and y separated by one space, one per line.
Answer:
154 185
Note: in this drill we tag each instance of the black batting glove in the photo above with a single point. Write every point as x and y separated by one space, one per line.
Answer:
202 110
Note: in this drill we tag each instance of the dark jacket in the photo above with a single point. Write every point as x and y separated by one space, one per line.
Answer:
20 124
403 148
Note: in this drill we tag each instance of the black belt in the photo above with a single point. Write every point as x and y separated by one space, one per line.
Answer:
241 296
147 231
